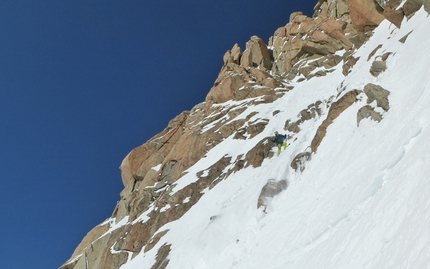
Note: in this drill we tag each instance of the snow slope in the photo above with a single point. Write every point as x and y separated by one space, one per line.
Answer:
363 199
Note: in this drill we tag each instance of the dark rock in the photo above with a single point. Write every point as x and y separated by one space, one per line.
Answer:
375 92
393 13
412 6
377 68
403 39
368 112
259 152
161 260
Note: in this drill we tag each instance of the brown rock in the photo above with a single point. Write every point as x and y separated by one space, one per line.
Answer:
377 68
236 82
294 14
378 94
393 13
403 39
292 126
256 54
365 14
304 37
113 261
138 236
335 110
161 261
427 5
141 159
349 63
412 6
337 9
233 55
368 112
91 236
259 152
374 51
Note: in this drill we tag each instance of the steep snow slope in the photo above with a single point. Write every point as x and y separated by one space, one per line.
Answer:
361 202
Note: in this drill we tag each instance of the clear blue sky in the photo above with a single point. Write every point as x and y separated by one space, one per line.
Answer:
84 82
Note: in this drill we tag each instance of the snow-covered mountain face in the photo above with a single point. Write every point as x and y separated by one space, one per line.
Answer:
350 190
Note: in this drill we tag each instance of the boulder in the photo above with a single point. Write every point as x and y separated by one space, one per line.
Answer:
378 94
377 68
368 112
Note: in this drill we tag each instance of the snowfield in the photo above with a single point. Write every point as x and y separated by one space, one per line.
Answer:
363 200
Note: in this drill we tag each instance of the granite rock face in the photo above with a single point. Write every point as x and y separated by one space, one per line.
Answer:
304 48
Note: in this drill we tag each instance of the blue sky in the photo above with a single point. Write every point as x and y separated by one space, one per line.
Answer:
84 82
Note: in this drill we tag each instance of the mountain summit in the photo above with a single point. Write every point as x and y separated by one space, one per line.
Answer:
349 88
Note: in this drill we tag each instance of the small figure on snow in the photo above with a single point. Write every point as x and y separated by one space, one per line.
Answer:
280 141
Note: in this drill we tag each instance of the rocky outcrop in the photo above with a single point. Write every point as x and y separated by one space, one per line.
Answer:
377 68
379 65
374 93
368 112
335 110
337 9
365 14
256 54
393 12
304 37
245 75
378 94
412 6
311 112
405 37
235 82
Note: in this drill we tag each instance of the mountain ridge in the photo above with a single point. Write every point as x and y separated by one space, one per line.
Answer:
163 178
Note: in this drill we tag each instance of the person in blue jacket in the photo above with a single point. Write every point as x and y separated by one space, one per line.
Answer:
279 139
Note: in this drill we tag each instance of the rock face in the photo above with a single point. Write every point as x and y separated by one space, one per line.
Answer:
306 37
256 54
393 12
302 49
365 14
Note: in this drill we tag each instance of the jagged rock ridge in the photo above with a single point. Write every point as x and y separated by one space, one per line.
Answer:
302 49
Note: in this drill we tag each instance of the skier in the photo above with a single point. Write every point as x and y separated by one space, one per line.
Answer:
280 141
